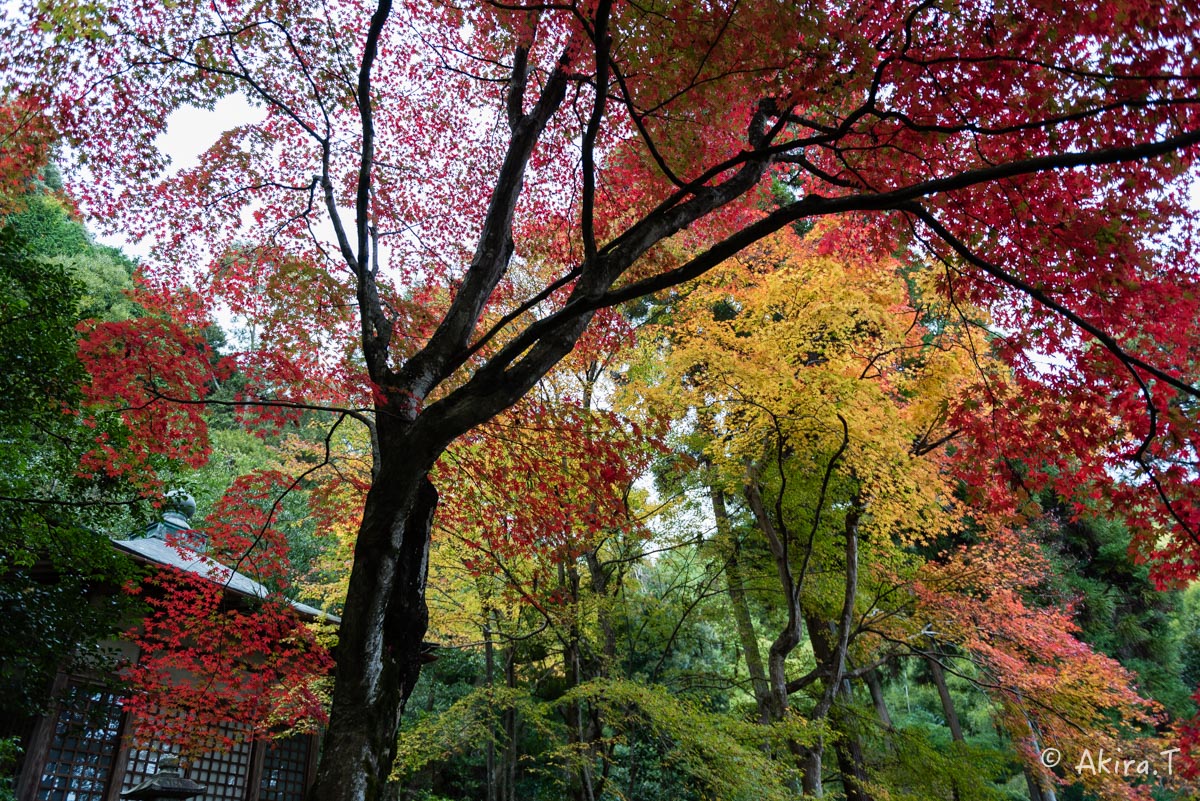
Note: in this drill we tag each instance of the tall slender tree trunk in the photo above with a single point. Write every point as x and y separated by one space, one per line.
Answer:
847 748
1035 789
582 784
1041 787
789 637
511 730
831 644
939 681
608 633
876 690
736 582
776 698
489 658
600 584
852 762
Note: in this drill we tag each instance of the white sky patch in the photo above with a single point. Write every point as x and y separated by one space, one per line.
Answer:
190 130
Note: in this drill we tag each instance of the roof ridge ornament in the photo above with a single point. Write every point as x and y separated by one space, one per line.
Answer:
178 508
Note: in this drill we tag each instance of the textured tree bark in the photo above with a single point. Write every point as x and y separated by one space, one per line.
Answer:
385 617
380 640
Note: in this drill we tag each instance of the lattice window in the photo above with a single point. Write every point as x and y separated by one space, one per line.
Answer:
285 766
223 773
80 758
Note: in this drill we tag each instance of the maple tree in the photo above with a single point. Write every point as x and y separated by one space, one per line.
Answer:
204 658
538 521
202 662
824 418
822 413
24 149
1051 689
461 189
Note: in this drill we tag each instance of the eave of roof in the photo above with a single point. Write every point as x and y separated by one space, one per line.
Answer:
155 551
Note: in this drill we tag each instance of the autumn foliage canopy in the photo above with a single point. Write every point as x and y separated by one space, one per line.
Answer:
437 203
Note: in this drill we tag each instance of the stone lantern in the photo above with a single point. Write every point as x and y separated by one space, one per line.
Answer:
168 783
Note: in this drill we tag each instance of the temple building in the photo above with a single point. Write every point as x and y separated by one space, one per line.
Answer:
80 749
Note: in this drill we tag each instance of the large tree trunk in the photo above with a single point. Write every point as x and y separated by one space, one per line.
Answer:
380 639
385 616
